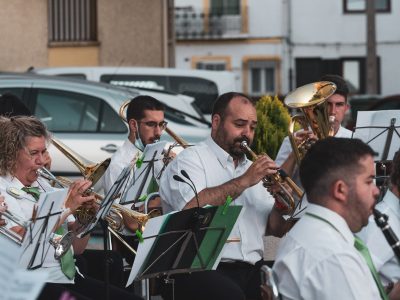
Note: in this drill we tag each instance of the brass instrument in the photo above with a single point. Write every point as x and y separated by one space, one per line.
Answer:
116 215
283 196
172 134
311 100
15 237
89 170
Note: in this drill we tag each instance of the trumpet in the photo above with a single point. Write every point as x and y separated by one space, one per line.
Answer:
85 216
283 196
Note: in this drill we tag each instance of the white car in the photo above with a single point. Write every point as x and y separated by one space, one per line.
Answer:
84 116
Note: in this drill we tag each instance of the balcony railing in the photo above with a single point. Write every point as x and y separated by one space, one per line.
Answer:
192 24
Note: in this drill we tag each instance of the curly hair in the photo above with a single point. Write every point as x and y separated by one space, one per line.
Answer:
13 134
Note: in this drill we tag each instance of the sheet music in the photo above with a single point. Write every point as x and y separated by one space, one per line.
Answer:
35 245
15 282
143 176
376 137
153 227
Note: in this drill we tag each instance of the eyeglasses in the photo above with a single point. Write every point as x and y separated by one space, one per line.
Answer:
153 124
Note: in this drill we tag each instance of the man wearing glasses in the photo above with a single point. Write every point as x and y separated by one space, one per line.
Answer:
145 116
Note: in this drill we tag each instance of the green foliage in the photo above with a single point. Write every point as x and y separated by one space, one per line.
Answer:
273 121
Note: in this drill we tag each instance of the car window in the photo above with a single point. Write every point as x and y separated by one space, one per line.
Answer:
204 91
139 81
64 111
19 92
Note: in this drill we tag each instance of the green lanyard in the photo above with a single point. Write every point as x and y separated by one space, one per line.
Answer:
362 248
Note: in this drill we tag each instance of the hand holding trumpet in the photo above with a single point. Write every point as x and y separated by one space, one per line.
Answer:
78 195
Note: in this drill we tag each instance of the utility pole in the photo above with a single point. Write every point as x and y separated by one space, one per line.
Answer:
372 69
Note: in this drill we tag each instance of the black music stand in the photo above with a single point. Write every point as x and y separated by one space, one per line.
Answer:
378 129
143 180
182 242
36 242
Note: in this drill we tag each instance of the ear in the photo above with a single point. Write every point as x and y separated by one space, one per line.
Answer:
215 121
133 125
340 191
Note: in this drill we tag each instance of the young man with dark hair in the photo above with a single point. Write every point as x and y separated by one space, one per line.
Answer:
145 117
320 258
386 262
219 168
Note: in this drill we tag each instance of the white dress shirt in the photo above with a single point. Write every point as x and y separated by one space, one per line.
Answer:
317 260
120 159
382 254
208 165
23 208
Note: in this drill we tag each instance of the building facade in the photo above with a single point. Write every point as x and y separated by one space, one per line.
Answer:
274 46
46 33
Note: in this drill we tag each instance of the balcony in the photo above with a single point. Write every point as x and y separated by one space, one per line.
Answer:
191 24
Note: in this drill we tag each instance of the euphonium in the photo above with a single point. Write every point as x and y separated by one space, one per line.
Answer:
311 100
279 178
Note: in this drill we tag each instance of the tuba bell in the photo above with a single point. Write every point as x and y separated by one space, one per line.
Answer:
311 100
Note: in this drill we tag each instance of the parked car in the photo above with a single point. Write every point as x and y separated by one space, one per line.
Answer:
84 115
204 86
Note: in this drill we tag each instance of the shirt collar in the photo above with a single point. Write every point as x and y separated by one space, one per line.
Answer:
223 157
337 221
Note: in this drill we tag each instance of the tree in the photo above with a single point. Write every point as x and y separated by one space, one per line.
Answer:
273 122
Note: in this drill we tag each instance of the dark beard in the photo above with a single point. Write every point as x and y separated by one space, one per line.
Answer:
237 152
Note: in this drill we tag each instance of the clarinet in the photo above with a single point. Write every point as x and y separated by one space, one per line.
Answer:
382 222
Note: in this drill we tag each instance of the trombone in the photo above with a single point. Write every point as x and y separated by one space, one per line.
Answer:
173 135
15 237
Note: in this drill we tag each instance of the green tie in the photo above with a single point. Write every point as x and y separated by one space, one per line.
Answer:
362 248
67 260
33 191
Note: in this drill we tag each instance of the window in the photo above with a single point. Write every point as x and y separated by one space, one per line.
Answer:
64 111
262 77
359 6
72 20
211 65
225 7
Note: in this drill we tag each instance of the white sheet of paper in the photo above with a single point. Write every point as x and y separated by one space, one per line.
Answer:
39 232
378 118
153 227
15 282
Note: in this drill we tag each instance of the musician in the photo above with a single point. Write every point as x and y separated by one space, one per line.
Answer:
23 142
11 106
387 264
219 168
145 116
318 258
337 107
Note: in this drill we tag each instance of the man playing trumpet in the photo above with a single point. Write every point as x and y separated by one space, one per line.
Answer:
220 170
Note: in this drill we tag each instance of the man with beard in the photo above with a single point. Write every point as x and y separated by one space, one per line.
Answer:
219 169
145 116
320 258
383 256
